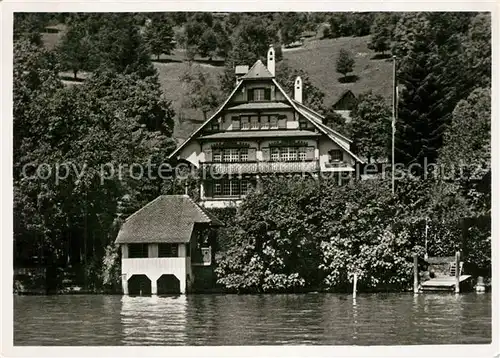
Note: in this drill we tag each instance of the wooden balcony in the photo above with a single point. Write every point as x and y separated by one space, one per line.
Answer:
260 167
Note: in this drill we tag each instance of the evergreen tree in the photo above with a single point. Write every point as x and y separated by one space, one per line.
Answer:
345 62
422 116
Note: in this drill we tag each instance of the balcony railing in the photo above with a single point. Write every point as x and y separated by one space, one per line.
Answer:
213 168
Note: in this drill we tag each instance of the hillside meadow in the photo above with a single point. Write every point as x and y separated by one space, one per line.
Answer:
316 57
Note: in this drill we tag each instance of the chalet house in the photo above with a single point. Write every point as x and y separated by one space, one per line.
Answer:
345 104
260 130
164 245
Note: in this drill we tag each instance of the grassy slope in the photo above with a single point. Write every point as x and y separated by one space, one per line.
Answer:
316 57
187 119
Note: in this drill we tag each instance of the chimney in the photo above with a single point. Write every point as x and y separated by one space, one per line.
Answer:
271 63
240 71
297 89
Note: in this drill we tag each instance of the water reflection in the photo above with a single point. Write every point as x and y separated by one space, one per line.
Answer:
154 320
332 319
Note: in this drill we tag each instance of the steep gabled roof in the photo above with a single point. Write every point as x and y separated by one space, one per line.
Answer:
257 71
167 219
315 118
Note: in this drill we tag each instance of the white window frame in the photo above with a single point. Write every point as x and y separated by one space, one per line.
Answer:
275 154
259 94
244 154
302 155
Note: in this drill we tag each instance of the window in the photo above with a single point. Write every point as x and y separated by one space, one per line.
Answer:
274 122
264 122
235 187
275 154
217 155
285 154
226 188
168 250
244 154
215 126
231 187
244 187
137 251
188 250
231 155
302 123
217 188
292 153
245 122
259 94
227 155
302 153
235 123
254 122
336 155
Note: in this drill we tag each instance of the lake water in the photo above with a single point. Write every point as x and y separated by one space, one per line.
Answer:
328 319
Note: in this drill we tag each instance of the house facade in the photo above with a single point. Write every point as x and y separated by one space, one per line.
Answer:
165 245
260 130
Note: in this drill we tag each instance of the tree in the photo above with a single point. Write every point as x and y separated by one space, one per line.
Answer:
335 120
119 45
430 75
345 62
159 36
222 40
370 127
276 249
109 119
29 26
381 33
208 44
477 52
467 139
75 51
202 91
290 27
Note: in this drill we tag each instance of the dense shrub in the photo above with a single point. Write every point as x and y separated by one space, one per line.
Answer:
302 234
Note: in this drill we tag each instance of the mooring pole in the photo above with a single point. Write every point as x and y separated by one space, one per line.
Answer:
354 286
457 272
415 273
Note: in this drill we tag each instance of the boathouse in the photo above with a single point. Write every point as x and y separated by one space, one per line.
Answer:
162 243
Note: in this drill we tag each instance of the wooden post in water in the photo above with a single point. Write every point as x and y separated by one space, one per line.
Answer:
354 286
457 272
415 273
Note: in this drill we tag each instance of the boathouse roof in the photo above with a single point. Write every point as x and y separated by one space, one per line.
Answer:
167 219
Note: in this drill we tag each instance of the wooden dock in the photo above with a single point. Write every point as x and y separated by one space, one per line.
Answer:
445 283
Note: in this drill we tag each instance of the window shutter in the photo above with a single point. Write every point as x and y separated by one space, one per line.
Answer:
310 153
208 189
265 154
208 155
250 94
267 94
252 154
